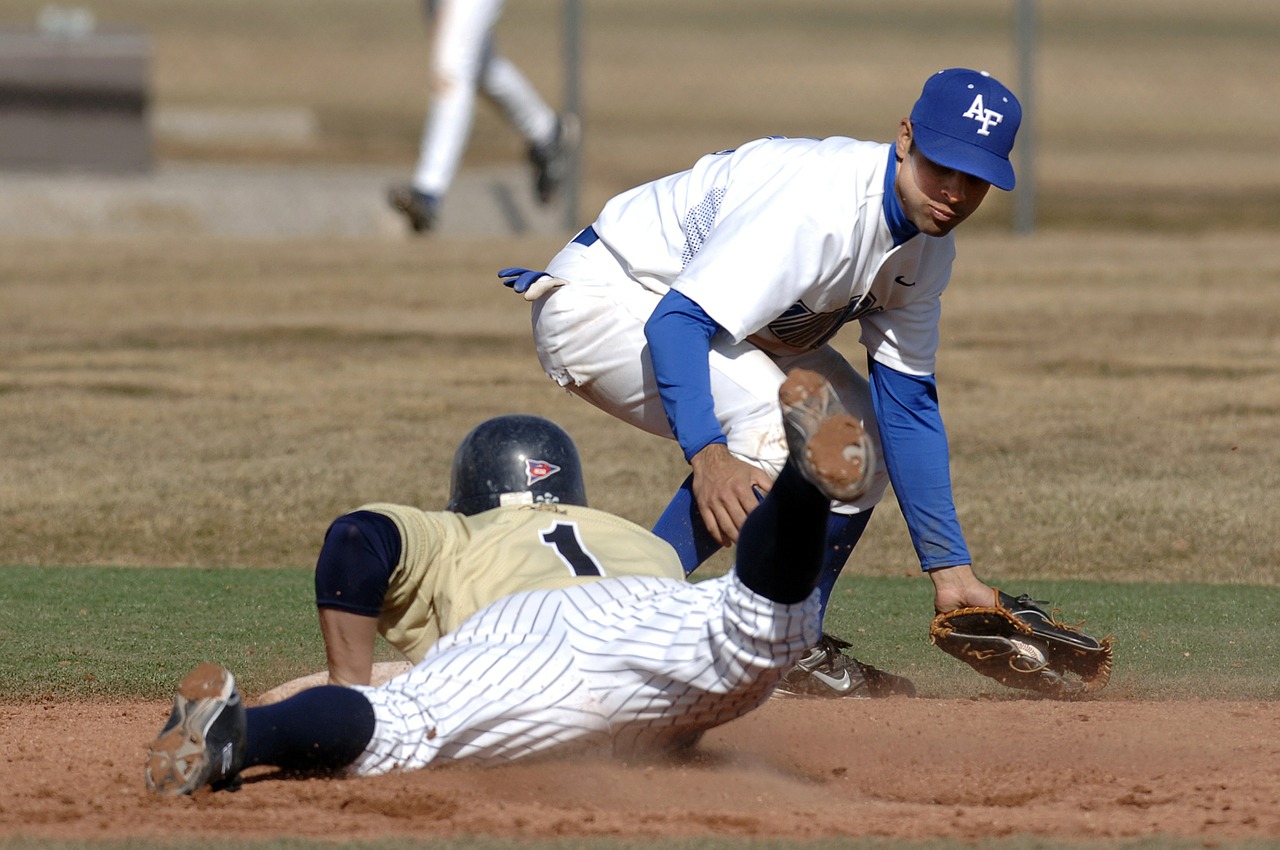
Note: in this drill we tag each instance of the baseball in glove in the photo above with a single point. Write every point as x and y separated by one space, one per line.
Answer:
1021 646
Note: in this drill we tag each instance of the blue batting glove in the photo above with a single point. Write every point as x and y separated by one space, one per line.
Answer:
520 279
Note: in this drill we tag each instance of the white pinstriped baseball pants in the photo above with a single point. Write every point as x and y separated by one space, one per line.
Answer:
621 666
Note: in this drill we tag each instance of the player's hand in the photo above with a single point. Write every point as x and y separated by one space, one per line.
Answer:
726 490
958 587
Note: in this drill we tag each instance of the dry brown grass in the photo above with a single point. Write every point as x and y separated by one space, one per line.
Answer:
1149 113
1113 401
1110 384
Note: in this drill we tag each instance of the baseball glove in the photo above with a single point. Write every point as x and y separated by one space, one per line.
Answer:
1020 646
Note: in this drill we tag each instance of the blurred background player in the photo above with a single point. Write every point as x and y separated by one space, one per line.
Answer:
684 306
464 60
610 663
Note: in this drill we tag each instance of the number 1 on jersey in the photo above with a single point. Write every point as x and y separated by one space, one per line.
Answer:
563 537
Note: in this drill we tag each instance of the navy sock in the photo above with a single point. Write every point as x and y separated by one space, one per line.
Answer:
681 525
843 533
322 728
780 549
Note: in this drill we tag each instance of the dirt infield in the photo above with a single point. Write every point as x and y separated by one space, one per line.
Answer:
907 769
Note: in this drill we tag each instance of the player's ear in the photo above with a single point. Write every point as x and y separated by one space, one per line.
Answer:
903 143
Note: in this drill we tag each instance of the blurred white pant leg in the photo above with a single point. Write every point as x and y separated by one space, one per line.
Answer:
462 31
504 84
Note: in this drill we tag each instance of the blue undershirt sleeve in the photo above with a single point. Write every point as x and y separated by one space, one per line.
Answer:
914 443
679 333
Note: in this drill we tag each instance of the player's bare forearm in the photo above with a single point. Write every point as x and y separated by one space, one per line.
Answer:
348 645
725 489
958 587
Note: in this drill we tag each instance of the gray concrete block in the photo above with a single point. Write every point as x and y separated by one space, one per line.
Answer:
74 102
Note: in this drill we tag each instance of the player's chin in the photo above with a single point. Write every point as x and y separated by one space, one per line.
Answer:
940 224
933 228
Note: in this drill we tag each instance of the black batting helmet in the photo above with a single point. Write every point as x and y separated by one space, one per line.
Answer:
515 460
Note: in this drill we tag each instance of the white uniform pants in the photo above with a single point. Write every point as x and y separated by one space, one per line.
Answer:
590 339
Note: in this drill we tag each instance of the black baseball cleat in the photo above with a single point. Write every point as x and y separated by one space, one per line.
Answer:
828 673
203 743
830 447
419 208
551 161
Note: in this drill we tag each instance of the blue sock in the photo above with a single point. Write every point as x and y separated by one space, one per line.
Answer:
843 533
322 728
681 525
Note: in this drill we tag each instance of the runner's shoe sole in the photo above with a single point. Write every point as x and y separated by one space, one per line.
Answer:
203 741
831 447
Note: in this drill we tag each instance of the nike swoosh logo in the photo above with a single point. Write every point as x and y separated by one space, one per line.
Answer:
840 684
902 280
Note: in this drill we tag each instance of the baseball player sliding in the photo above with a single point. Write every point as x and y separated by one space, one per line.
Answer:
689 300
621 656
413 576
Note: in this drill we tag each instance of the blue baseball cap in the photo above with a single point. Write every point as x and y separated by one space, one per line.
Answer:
966 120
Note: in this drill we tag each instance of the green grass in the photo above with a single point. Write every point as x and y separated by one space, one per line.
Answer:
91 632
1171 641
121 632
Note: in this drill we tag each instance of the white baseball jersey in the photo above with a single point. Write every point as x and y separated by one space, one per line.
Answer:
619 666
781 241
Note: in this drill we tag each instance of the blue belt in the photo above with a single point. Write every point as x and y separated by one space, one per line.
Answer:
587 237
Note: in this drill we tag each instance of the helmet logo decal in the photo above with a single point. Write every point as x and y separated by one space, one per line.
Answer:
538 470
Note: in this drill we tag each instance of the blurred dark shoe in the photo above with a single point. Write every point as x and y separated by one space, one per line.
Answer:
551 161
419 208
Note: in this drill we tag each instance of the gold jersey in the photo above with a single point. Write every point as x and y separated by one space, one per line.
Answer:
452 565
